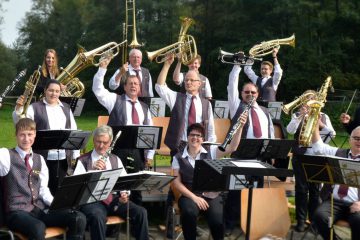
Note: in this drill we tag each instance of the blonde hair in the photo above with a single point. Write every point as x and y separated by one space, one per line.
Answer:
25 124
54 69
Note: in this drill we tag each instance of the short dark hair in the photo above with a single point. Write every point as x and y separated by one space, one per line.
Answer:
250 83
25 124
51 81
198 127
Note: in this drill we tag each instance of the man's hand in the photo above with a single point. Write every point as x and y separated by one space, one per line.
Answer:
20 102
148 163
104 62
62 87
201 203
100 165
169 59
124 68
355 207
274 52
345 118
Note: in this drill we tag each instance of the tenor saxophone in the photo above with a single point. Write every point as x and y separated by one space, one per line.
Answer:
310 120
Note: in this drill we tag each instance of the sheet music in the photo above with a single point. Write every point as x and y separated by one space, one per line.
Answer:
351 172
221 109
275 109
79 107
147 137
248 164
104 188
237 182
157 107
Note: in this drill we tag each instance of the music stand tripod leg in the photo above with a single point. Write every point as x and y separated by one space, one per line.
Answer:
248 217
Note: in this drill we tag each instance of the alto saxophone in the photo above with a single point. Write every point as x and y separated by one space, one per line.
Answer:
310 120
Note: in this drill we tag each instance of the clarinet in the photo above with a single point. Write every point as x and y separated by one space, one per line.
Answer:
235 127
12 85
112 145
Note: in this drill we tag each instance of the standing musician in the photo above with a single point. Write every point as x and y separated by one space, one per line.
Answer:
346 199
96 213
306 194
266 84
191 203
349 124
24 177
51 113
178 77
186 108
258 126
123 110
118 79
49 70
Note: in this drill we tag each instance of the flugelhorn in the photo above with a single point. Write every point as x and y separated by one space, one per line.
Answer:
303 99
184 47
82 60
238 58
265 48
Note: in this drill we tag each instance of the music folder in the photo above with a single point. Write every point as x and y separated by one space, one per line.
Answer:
85 188
61 139
143 181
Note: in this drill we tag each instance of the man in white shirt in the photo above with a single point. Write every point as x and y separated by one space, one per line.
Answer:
134 68
178 77
346 199
24 178
51 113
101 159
266 84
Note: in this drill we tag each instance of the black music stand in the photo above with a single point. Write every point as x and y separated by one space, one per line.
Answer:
85 188
156 105
76 104
214 175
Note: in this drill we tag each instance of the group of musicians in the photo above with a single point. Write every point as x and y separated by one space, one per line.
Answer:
29 178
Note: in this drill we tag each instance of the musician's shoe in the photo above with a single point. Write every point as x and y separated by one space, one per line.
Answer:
228 232
300 227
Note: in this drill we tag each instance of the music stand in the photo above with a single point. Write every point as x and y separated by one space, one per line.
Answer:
76 104
220 108
214 175
85 188
157 106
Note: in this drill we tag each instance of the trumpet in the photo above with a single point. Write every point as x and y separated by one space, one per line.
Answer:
184 47
238 58
265 48
287 108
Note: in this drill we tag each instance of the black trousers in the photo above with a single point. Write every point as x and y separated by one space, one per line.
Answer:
214 217
96 214
33 224
307 195
341 211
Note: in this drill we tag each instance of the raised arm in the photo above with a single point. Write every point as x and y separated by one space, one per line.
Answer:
164 71
176 73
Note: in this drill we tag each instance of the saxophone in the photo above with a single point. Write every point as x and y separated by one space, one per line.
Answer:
30 87
310 120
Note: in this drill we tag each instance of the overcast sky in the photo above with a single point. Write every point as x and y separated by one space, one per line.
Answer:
14 12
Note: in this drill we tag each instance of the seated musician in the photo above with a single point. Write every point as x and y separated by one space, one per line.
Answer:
346 199
96 213
192 203
26 194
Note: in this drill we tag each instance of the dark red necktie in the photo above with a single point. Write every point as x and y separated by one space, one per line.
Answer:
192 112
109 199
256 123
134 114
27 164
138 76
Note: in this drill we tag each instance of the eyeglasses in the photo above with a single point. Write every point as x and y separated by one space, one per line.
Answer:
191 80
195 135
355 138
248 92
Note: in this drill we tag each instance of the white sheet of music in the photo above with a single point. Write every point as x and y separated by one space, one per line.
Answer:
248 164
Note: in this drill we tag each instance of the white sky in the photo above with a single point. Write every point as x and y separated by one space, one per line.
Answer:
14 12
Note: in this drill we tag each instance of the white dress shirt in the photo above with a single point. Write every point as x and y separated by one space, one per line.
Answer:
114 85
234 103
5 165
320 148
175 164
208 92
57 121
276 77
108 100
169 96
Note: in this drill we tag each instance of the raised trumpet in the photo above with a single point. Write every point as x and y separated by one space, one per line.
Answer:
238 58
105 51
265 48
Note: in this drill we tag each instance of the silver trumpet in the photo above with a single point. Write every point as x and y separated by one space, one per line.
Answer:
238 58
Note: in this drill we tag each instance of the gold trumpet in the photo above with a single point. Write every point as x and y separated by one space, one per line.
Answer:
30 87
185 46
265 48
82 60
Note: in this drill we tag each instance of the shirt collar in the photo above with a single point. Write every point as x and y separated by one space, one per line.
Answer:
129 99
188 95
186 153
133 69
95 156
22 153
350 155
47 104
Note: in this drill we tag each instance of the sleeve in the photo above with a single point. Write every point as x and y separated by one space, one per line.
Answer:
106 98
175 164
211 127
113 85
168 95
29 113
181 79
251 74
150 153
272 130
293 124
4 161
328 129
44 180
208 92
354 123
233 92
277 76
320 148
151 91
